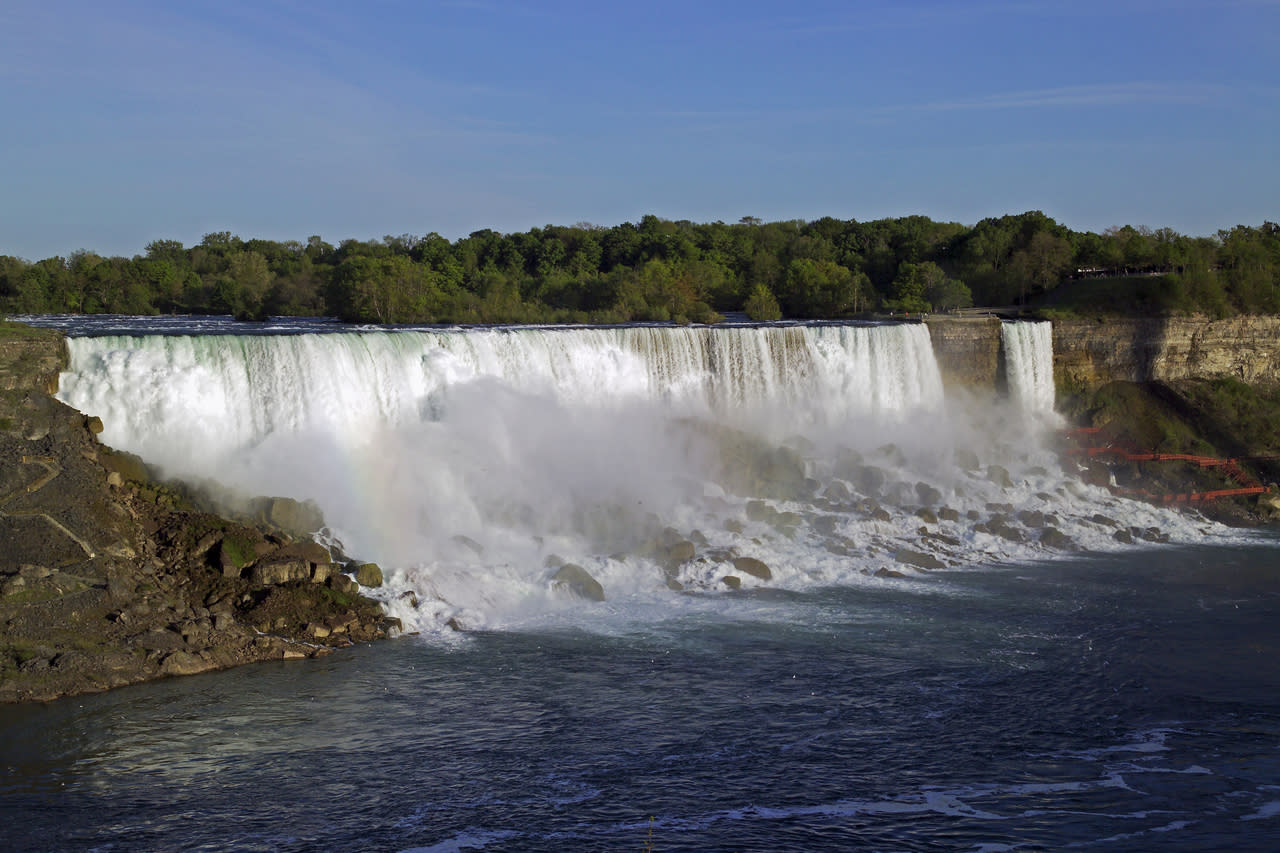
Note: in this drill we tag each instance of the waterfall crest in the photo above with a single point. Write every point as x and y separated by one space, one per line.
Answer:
175 399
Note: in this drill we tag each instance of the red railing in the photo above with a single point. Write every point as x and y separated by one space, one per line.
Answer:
1229 467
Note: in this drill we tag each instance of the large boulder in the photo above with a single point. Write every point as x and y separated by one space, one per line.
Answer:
999 475
280 571
918 559
575 580
297 518
369 575
752 566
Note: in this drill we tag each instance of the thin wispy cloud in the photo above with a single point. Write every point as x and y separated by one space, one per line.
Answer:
1105 95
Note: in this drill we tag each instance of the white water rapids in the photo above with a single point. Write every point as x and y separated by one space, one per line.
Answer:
469 462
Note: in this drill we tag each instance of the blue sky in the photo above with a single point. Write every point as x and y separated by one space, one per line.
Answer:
126 122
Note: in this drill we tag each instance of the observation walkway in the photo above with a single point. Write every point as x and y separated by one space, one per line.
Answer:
1230 468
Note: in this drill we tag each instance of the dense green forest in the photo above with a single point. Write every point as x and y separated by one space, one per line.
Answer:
681 271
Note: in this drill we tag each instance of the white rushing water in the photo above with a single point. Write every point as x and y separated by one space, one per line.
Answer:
1028 348
469 463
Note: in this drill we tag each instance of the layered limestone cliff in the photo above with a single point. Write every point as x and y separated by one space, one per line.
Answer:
968 352
1089 353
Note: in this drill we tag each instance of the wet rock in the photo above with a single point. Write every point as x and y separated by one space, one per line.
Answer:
681 552
826 525
840 492
999 526
1123 536
884 572
752 566
928 495
788 519
1052 537
1095 472
732 581
899 494
927 515
918 559
868 479
1031 518
949 514
999 475
966 460
369 574
576 580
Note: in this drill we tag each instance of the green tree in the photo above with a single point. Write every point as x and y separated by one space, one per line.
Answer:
908 289
1041 265
762 306
821 289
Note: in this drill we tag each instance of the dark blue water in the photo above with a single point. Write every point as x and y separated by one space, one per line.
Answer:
1127 702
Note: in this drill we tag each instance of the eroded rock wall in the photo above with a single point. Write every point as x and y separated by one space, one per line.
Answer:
968 351
31 359
1088 353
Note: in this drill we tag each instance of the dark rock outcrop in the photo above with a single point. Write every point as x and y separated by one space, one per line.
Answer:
108 578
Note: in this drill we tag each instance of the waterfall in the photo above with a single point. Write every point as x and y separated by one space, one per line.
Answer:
180 399
466 462
1028 349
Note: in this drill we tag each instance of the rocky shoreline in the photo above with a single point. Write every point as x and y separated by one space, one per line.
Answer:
108 578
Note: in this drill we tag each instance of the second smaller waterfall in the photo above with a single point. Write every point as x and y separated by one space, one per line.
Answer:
1028 351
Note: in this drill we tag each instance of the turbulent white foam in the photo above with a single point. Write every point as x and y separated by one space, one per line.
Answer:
462 461
1028 349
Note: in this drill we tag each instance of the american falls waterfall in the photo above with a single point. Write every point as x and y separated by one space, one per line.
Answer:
472 464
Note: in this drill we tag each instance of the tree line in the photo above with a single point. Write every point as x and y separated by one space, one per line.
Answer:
671 271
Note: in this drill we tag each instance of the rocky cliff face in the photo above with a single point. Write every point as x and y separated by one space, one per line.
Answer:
1089 353
968 351
31 359
108 579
